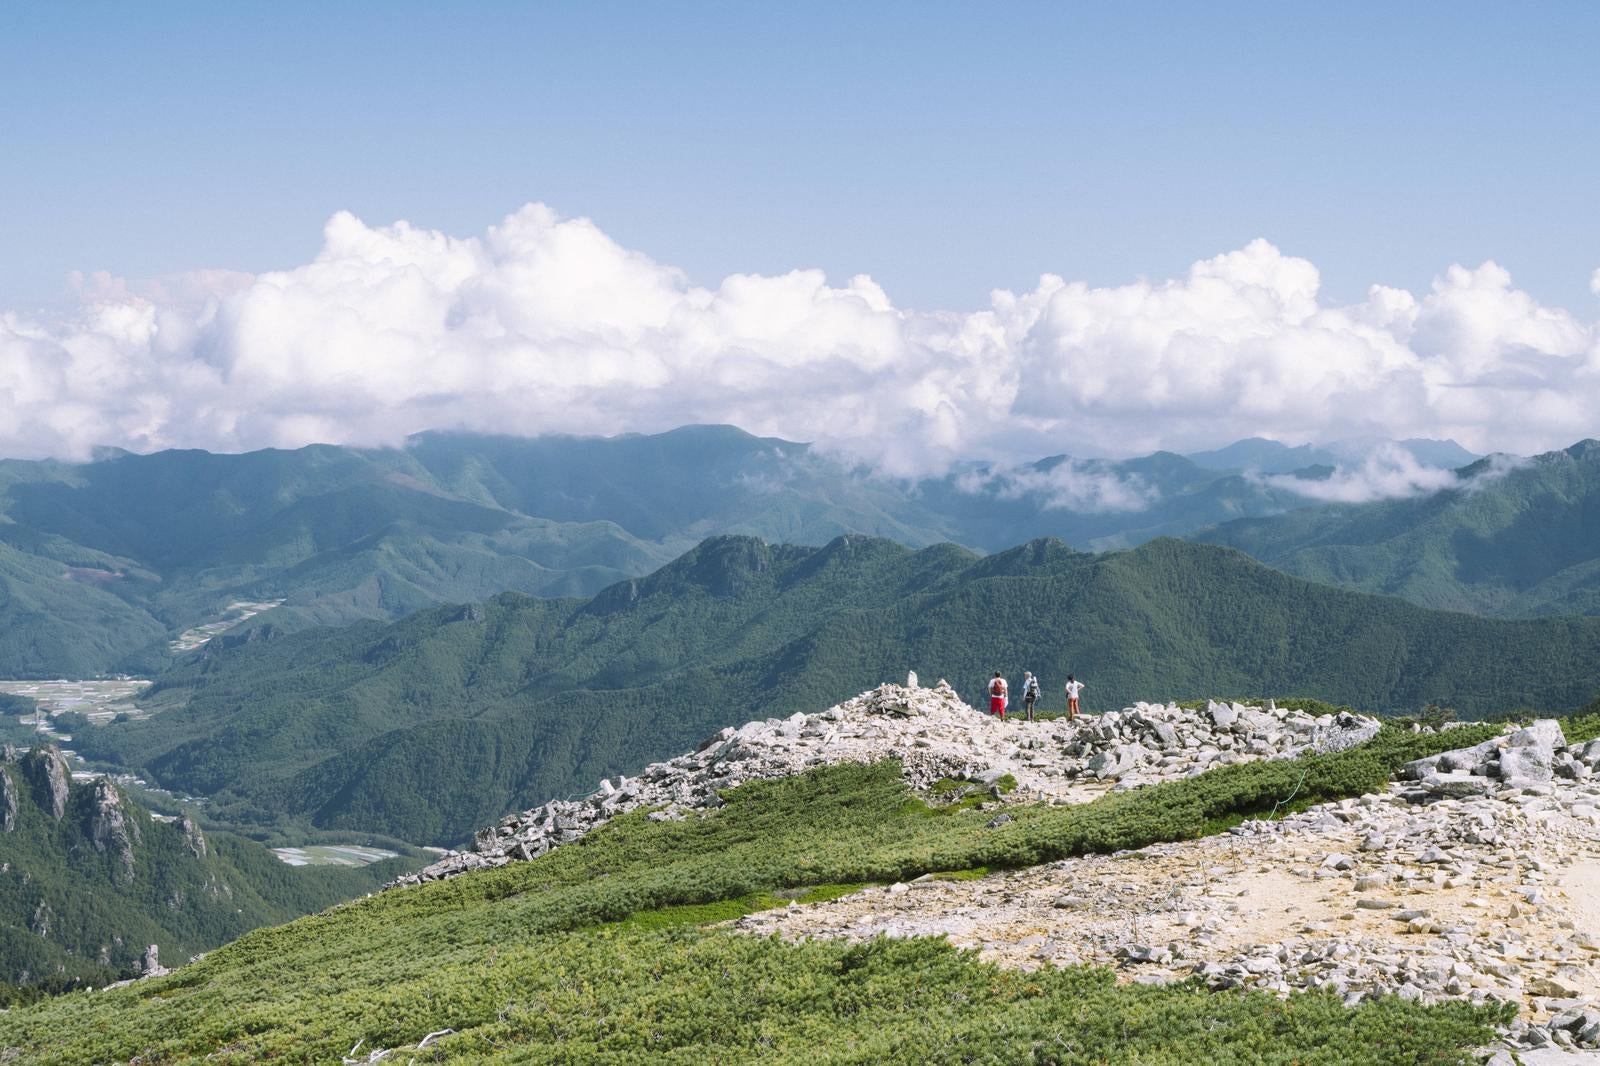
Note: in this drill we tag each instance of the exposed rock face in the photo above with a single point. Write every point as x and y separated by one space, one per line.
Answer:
192 836
471 612
934 735
8 800
47 772
150 962
1531 756
109 827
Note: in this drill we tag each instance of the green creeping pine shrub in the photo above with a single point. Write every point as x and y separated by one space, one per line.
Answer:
590 953
1583 726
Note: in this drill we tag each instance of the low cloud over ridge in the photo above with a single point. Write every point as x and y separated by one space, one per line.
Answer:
1389 472
545 324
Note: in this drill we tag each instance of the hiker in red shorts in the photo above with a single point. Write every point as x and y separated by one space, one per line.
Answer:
1074 686
997 696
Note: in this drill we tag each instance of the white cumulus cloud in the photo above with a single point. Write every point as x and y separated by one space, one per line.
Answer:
1068 485
546 324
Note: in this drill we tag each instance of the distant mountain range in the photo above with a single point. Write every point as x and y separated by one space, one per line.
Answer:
103 564
1511 538
431 726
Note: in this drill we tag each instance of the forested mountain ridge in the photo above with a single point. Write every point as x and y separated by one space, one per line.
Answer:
103 563
89 879
1516 539
432 726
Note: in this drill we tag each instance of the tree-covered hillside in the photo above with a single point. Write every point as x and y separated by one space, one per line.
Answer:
88 879
103 563
1522 542
432 726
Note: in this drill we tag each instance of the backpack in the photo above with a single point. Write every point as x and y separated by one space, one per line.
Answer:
1031 690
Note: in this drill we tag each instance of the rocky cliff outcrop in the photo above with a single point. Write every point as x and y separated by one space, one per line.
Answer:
110 827
192 836
47 772
8 800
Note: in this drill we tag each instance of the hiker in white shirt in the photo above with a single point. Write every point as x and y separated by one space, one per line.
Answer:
997 696
1074 686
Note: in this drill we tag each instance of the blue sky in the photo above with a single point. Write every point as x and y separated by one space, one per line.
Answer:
912 233
945 149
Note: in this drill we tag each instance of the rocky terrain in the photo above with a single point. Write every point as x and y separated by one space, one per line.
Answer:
935 736
1476 878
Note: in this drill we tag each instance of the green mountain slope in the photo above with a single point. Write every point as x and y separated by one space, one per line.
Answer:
432 726
88 879
102 563
598 953
1523 543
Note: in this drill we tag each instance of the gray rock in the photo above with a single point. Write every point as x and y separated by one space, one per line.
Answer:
1457 785
150 962
110 828
8 801
1417 769
46 769
192 837
1222 716
1526 764
1544 734
1165 735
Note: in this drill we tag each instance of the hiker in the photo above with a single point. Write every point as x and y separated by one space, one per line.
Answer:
997 696
1074 686
1030 692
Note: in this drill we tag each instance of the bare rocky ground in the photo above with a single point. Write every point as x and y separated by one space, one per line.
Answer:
1409 892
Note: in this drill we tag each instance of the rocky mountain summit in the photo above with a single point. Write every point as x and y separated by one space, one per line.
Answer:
935 736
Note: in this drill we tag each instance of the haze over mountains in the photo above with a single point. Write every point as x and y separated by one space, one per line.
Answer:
1517 542
103 564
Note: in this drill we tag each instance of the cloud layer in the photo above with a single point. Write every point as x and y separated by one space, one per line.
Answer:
545 324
